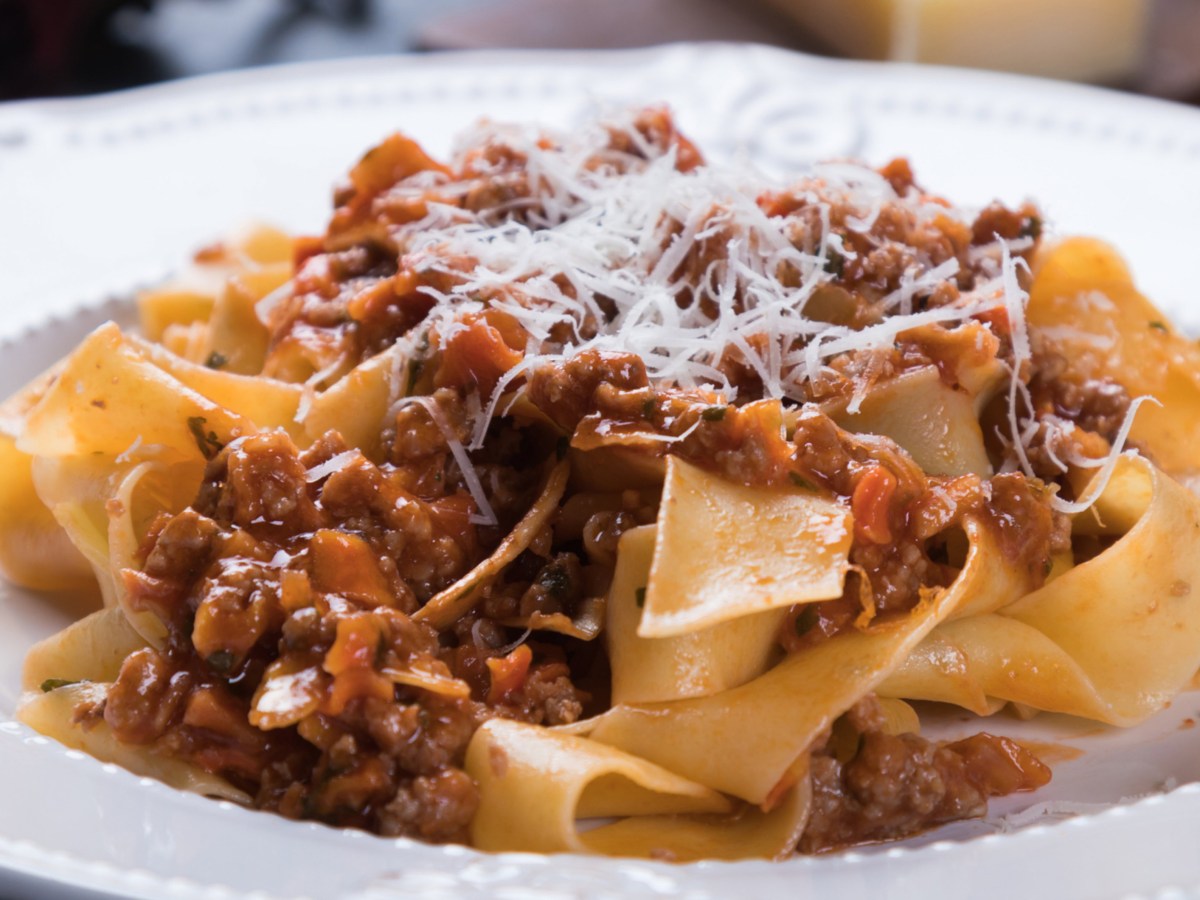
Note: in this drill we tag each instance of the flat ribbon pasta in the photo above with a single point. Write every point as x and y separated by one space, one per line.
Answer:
615 468
35 551
259 257
91 652
110 398
1112 639
937 424
145 490
725 550
91 649
357 405
76 491
746 741
237 340
749 833
452 603
116 400
266 403
535 783
53 714
1084 305
702 662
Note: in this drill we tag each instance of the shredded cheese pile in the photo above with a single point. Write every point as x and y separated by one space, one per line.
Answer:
624 252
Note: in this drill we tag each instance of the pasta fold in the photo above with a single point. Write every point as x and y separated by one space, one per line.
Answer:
748 833
705 738
356 406
1113 639
535 783
937 424
53 714
110 398
725 550
1084 305
91 649
35 551
696 664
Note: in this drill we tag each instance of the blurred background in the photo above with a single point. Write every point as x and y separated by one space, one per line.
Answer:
70 47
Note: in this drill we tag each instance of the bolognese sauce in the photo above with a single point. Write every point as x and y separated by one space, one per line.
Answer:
297 664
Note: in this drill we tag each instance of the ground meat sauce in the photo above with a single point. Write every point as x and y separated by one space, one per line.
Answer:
294 666
289 581
889 786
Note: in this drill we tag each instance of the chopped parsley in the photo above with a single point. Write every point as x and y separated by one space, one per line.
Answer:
217 360
221 662
835 264
649 409
53 684
640 596
801 482
713 414
414 372
555 580
1158 326
208 442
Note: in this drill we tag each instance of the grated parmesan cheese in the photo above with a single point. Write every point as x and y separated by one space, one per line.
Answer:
486 515
624 252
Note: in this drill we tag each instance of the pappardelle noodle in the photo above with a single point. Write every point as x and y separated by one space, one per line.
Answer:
575 480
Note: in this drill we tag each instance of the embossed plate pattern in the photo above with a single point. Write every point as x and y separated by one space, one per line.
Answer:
100 195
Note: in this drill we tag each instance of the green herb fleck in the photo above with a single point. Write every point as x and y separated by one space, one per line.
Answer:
801 482
217 360
1032 228
1158 326
555 580
649 409
208 442
640 596
713 414
835 264
807 620
53 684
221 662
414 372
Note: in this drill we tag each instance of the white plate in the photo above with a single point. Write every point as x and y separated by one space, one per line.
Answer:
102 194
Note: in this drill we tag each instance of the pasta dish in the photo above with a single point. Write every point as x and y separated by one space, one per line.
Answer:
576 495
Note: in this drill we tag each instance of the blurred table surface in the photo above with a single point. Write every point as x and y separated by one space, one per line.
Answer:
50 47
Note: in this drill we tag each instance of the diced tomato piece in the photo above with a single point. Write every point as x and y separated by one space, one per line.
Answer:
508 674
359 637
345 564
1000 766
871 503
476 355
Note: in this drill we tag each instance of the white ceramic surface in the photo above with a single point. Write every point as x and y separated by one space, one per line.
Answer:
100 195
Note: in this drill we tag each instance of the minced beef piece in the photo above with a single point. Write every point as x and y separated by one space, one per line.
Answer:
897 785
1098 405
436 808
